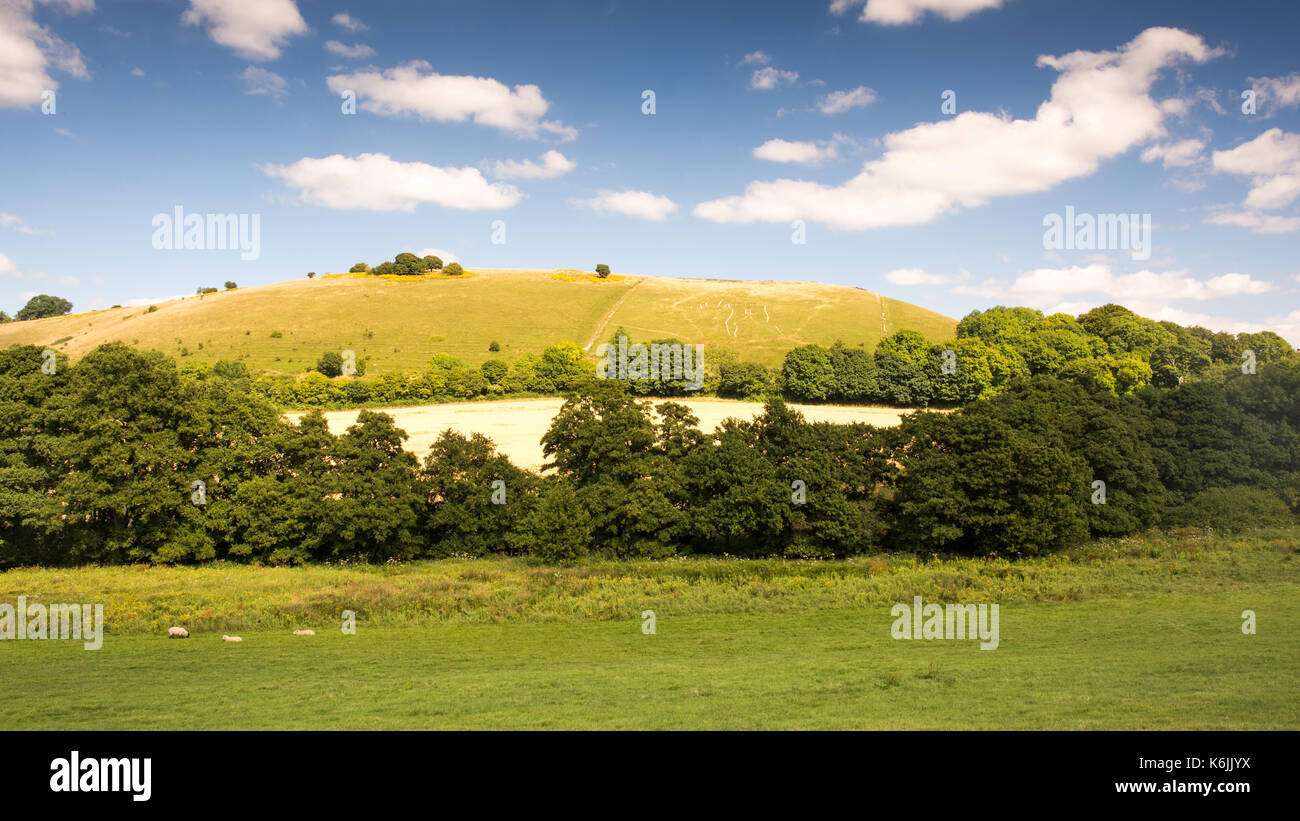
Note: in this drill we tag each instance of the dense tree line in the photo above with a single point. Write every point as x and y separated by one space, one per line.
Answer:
123 458
1109 348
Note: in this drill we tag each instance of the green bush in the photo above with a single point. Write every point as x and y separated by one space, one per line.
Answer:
330 364
1231 509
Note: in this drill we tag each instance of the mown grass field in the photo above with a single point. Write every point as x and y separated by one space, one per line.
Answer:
401 322
1131 634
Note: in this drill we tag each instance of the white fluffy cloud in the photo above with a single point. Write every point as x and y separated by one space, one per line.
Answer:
1178 154
415 89
805 153
260 81
640 204
356 51
1100 106
756 58
1144 291
28 51
900 12
7 267
348 22
1272 93
255 31
1272 161
766 79
837 102
376 182
554 164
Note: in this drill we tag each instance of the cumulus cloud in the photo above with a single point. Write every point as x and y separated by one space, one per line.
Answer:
255 31
376 182
1273 93
348 22
837 102
260 81
1146 292
766 79
1178 154
900 12
1100 107
1272 161
8 268
756 58
415 89
554 164
805 153
640 204
28 51
356 51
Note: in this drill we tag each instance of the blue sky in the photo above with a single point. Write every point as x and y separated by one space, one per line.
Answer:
772 121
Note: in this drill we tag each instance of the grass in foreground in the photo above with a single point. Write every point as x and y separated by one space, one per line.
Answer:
1140 633
223 597
1163 661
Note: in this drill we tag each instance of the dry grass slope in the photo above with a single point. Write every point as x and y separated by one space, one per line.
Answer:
402 322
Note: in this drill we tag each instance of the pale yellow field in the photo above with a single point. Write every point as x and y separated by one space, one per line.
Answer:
517 425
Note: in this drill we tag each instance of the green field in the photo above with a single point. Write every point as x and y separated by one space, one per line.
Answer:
401 322
1129 634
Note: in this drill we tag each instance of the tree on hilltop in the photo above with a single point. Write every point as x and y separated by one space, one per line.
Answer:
42 306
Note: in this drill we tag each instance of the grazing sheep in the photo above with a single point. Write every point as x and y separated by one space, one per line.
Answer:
231 638
304 632
178 633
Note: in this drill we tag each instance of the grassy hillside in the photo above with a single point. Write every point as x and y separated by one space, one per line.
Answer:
401 322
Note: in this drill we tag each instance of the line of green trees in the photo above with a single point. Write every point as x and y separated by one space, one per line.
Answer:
558 369
407 263
122 458
1109 349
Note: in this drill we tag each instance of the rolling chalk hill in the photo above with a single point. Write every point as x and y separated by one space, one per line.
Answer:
401 322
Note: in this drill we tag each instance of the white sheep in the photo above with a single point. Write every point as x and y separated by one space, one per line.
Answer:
231 638
178 633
